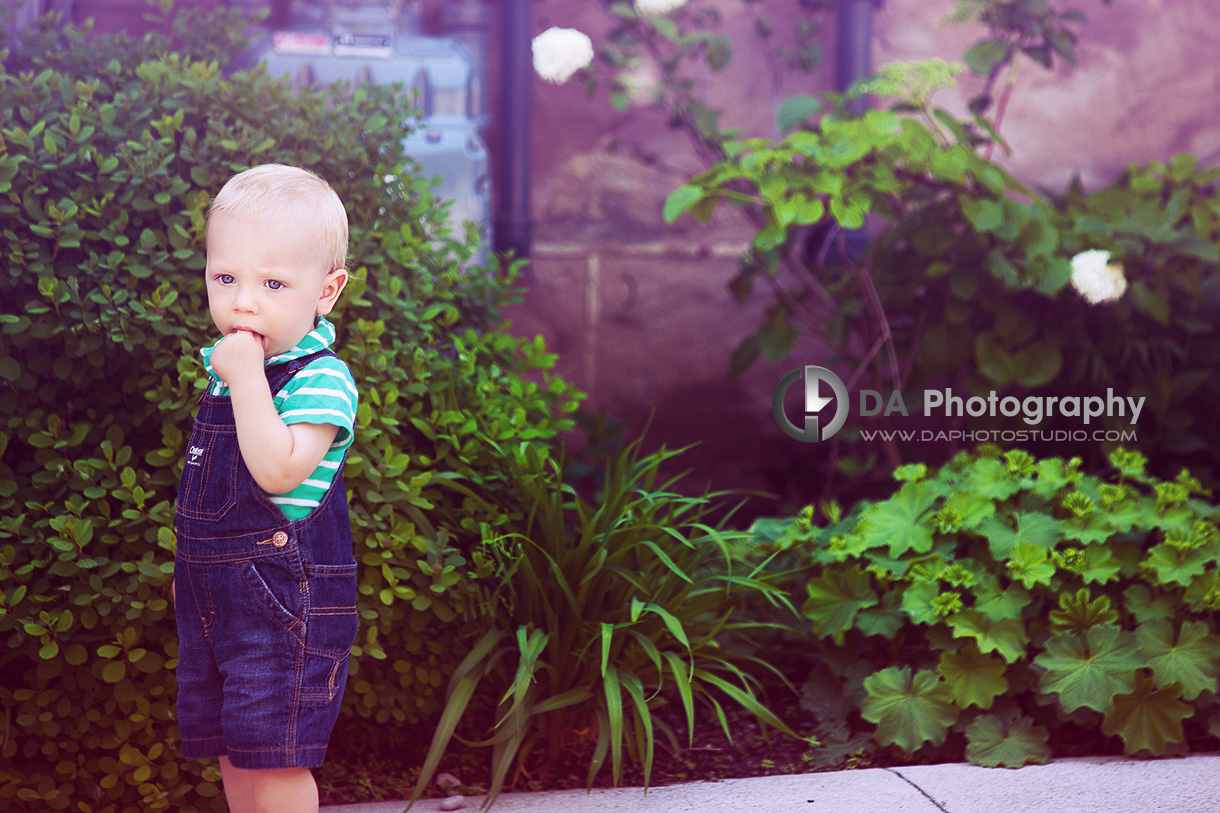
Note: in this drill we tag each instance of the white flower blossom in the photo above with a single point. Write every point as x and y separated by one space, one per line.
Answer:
658 6
1096 278
560 52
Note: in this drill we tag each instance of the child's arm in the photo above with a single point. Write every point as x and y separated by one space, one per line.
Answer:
280 457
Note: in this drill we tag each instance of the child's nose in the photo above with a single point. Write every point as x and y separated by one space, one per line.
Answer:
244 301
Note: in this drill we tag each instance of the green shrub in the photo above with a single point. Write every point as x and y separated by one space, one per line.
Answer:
107 165
610 620
1020 602
965 282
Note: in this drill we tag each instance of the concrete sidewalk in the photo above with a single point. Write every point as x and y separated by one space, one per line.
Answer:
1096 785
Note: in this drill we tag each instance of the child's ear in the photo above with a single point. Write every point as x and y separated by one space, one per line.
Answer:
335 282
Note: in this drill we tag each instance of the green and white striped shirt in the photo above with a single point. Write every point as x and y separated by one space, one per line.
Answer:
323 392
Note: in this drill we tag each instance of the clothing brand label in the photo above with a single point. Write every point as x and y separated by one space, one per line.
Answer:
193 455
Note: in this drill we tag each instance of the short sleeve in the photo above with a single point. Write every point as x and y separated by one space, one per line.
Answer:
324 392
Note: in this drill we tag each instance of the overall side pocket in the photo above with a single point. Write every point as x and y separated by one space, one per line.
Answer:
330 630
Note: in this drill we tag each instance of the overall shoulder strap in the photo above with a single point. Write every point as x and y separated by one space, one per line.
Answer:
280 374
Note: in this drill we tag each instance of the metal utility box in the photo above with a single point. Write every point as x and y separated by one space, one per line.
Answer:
323 41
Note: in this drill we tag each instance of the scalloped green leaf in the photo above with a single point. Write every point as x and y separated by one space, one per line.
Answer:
1040 530
1179 566
1006 636
1030 564
903 522
1144 606
1192 659
834 599
1097 564
1079 612
974 678
1147 719
908 708
998 604
1089 670
991 479
991 743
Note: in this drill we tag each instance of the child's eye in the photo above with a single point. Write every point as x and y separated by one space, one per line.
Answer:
225 279
274 284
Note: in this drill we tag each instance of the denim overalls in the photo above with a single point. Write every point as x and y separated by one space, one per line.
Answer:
266 606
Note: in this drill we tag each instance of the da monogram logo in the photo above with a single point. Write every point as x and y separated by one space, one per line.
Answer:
814 404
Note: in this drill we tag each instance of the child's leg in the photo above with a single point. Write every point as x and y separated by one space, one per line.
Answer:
280 790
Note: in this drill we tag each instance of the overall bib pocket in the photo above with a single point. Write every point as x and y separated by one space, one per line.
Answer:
331 627
208 490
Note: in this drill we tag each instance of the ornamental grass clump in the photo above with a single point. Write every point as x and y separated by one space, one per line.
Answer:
610 621
1006 603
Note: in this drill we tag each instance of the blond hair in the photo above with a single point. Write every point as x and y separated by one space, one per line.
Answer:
289 196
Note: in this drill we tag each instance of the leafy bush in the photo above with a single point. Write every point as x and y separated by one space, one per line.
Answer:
1020 602
966 280
107 165
603 614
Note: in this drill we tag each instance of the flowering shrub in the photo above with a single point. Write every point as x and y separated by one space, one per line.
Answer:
1006 607
969 277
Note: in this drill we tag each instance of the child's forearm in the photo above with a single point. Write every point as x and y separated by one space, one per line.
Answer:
278 456
265 441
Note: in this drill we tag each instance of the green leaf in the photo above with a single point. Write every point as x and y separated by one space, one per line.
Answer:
1037 365
1192 661
1041 530
1147 719
984 214
983 56
1031 564
1096 563
918 601
974 678
1144 606
777 337
1006 636
834 599
902 522
994 361
1080 612
1177 565
991 743
908 708
114 671
680 200
998 604
719 52
990 479
1089 670
795 110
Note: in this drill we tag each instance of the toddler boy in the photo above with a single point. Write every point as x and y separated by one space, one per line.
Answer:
268 609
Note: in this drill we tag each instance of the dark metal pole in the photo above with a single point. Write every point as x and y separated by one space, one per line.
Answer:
854 41
511 224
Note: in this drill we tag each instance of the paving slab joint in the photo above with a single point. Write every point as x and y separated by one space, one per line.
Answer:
935 803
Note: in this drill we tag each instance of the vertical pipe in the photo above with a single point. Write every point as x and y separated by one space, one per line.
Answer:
511 224
853 41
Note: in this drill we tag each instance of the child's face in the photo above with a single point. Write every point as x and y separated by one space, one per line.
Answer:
266 279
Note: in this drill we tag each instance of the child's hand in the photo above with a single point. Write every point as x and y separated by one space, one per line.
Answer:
239 356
